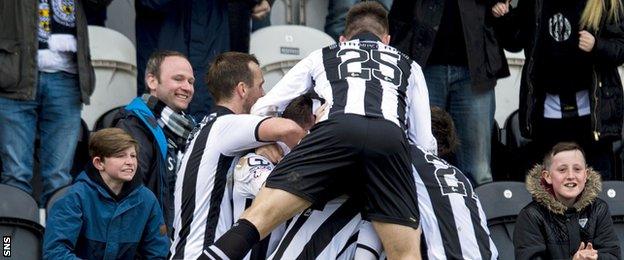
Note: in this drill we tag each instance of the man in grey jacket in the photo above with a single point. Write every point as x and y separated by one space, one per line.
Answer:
45 77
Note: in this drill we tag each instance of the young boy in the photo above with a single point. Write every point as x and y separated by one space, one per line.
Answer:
566 218
106 214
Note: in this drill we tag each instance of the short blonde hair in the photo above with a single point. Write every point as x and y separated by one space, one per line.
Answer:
560 147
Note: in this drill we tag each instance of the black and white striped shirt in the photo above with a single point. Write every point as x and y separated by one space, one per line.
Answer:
321 234
363 77
249 175
452 220
451 216
203 207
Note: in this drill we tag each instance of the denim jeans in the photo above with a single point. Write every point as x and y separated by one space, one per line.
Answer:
54 115
473 114
337 15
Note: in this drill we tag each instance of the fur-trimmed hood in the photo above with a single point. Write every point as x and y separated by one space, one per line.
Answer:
543 194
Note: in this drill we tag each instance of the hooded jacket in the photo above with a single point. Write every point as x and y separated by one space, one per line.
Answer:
89 223
547 229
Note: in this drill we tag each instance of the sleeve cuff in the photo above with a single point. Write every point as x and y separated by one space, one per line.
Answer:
257 130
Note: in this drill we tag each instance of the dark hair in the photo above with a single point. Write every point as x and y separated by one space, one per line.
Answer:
109 141
560 147
443 130
155 60
367 16
226 71
300 110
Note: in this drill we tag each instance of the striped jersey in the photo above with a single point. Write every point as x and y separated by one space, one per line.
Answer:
202 200
249 175
452 219
321 234
363 77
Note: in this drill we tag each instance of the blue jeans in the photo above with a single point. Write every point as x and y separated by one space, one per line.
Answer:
472 112
54 116
337 15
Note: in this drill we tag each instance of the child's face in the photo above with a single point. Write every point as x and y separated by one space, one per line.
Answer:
121 166
567 175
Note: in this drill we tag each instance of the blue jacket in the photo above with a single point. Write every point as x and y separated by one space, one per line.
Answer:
156 160
87 222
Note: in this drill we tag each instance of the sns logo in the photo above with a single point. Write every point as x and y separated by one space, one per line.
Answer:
6 246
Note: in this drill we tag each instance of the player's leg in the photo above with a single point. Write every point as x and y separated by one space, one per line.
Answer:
303 177
399 241
273 207
390 191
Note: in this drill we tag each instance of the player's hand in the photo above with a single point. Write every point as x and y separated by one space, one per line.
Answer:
271 151
586 41
321 112
260 10
501 9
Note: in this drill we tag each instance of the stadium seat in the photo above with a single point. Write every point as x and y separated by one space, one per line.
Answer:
56 196
518 149
513 136
613 193
19 220
499 158
106 120
278 48
501 202
113 57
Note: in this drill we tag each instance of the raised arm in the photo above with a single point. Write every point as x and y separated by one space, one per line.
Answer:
419 112
296 82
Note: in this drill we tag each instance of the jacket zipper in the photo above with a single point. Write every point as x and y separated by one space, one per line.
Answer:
529 71
597 84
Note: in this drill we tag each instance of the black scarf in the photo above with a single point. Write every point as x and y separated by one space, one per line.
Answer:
57 25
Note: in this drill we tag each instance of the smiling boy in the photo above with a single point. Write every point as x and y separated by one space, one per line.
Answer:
566 219
106 214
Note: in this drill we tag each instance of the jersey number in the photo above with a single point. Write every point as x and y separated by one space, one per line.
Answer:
252 161
362 56
448 182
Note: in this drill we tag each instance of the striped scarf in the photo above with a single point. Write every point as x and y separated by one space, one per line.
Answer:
180 124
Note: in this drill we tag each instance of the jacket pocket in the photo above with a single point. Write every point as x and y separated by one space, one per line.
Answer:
9 64
610 105
495 63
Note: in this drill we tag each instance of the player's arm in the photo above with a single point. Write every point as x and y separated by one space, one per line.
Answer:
296 82
280 129
419 112
237 133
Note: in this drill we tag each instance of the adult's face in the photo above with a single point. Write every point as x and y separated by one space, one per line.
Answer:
255 91
175 85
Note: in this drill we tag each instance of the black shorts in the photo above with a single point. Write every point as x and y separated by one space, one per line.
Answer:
360 156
